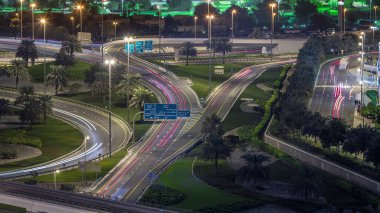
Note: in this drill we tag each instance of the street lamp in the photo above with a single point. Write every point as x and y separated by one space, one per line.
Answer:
195 26
115 24
233 12
80 8
85 160
128 40
272 5
209 17
344 20
159 31
21 18
33 5
72 24
43 22
55 179
109 62
375 7
362 37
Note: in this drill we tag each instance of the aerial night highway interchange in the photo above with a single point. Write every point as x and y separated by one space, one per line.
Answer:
189 106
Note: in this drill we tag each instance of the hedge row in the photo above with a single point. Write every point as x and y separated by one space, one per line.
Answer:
19 137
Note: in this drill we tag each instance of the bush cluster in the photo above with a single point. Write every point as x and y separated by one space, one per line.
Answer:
162 195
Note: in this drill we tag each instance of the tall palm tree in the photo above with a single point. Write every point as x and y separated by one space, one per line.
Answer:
57 77
334 133
25 94
46 105
223 46
18 71
100 85
253 173
27 50
72 44
212 125
140 96
31 111
359 139
187 50
215 149
126 85
4 107
305 185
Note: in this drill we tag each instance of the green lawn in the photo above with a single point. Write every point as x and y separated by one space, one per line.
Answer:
75 72
11 209
199 74
197 194
237 117
75 175
58 138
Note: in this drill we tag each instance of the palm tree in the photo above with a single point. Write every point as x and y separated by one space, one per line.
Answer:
212 125
305 185
57 77
223 46
334 133
127 84
4 107
25 94
188 49
46 105
215 149
31 111
359 139
18 71
140 96
27 50
100 85
72 44
372 155
253 172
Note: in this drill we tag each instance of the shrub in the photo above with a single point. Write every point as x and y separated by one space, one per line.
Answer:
158 194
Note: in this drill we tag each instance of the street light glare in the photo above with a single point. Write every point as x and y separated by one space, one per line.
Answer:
234 11
128 38
87 137
110 61
43 21
33 5
57 171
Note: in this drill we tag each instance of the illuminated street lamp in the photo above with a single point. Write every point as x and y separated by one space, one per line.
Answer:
195 26
344 20
128 40
33 5
375 7
115 24
43 22
233 12
272 5
55 179
72 24
159 31
21 18
80 8
362 37
210 18
109 62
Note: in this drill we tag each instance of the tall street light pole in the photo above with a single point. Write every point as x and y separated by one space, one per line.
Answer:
362 37
43 22
344 20
375 7
233 12
272 5
33 5
21 18
159 31
55 179
128 39
80 8
85 161
102 31
109 62
195 26
115 24
72 24
209 45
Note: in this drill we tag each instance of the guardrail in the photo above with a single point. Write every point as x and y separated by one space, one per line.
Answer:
321 163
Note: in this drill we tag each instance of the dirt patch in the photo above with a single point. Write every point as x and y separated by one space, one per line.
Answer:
248 106
264 87
23 152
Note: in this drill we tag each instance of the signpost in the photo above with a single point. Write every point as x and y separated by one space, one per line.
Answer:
164 112
149 45
131 48
139 46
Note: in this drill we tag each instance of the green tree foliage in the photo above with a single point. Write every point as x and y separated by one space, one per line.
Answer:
18 71
212 125
100 85
46 106
71 44
57 78
253 173
334 133
64 58
188 50
27 50
140 96
31 111
214 149
4 107
306 185
26 93
304 9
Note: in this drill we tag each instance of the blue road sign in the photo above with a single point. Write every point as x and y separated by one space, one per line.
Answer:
160 111
139 46
131 48
183 113
149 45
